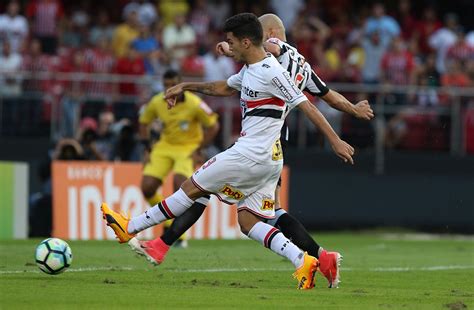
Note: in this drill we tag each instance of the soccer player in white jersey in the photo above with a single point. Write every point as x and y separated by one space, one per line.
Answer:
293 61
248 172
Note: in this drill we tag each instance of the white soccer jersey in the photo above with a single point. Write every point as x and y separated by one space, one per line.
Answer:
301 72
267 93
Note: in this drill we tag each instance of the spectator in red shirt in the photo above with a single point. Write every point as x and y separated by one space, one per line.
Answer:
397 69
131 64
398 64
425 28
44 16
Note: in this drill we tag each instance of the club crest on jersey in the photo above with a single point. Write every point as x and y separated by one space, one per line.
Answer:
267 204
231 192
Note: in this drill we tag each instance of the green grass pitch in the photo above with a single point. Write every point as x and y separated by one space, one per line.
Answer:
378 272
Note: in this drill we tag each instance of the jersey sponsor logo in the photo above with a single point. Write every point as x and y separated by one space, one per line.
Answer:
231 192
299 78
267 204
250 92
266 66
282 88
208 163
292 84
277 152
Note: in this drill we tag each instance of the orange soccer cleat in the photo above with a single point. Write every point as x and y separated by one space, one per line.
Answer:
305 274
117 222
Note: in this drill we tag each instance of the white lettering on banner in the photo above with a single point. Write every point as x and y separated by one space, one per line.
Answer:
72 209
90 199
90 173
112 193
89 195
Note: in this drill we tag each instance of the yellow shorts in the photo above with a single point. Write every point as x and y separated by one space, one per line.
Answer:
165 158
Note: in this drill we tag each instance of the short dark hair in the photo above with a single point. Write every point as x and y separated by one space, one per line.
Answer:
245 25
171 74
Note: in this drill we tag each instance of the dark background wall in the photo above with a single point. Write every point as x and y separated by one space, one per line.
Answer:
424 191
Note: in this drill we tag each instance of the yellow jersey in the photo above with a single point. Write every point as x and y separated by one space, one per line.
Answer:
182 124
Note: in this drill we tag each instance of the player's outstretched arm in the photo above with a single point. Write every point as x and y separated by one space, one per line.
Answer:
360 110
340 147
217 88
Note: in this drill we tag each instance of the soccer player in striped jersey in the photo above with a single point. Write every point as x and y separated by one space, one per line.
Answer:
246 173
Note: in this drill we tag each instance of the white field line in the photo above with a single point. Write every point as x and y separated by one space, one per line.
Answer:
215 270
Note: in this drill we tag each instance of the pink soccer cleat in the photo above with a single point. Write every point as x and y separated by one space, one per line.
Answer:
154 250
329 265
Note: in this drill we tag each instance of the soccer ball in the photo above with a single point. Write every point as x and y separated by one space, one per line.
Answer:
53 256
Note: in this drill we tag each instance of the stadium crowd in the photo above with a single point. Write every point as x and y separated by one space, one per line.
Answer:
52 47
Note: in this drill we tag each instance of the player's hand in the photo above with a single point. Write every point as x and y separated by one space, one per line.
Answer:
344 150
364 111
173 93
222 48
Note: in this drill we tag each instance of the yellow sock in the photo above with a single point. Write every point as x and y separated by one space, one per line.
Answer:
155 199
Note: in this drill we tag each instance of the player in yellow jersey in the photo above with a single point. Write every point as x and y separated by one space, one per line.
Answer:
188 127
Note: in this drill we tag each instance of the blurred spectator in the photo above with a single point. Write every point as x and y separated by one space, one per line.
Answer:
132 64
45 16
102 61
126 32
425 28
428 73
193 64
374 49
398 67
455 75
10 65
287 10
385 25
105 134
461 50
37 63
126 147
219 11
178 38
407 19
217 67
146 11
169 9
443 39
398 64
200 20
148 48
101 29
68 149
87 139
14 27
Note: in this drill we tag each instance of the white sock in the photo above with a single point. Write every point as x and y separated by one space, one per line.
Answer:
273 239
171 207
278 213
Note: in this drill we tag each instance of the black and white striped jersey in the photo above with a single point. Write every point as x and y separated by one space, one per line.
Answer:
301 72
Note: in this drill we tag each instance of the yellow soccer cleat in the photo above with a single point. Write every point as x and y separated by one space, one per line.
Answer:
117 222
305 274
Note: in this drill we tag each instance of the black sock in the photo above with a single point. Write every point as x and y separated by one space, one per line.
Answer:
182 223
296 232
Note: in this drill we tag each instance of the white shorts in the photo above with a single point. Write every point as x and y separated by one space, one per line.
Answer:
234 178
